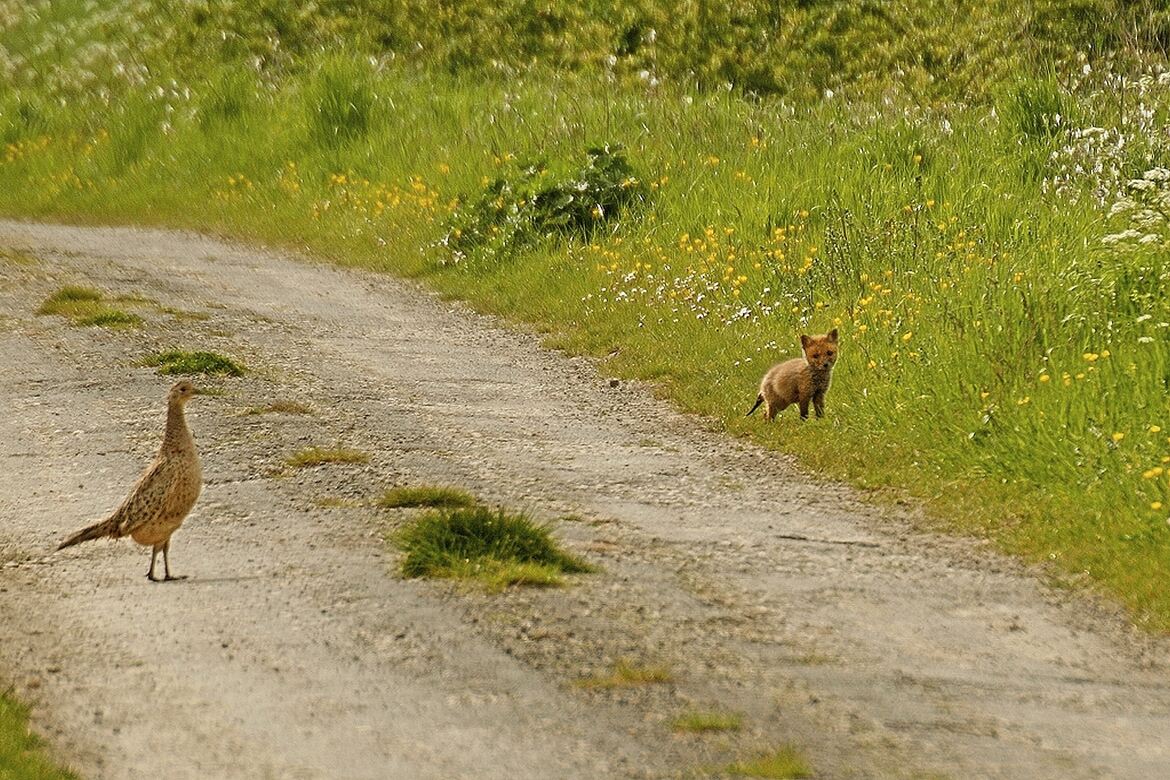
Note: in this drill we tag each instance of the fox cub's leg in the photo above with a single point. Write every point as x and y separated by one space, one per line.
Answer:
804 410
818 400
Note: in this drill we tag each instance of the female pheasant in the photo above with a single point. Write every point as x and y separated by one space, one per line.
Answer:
163 495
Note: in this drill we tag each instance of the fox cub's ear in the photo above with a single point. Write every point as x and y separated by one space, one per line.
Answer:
833 335
804 341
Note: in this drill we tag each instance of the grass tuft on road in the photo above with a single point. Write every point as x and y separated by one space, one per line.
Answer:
494 548
22 756
430 496
699 722
84 306
320 456
16 257
180 362
783 764
626 674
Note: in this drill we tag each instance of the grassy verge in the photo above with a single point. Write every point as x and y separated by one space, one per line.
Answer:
494 548
21 754
1004 357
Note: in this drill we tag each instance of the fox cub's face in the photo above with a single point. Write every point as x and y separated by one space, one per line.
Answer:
820 351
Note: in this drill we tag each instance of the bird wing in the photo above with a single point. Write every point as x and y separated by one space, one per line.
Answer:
147 498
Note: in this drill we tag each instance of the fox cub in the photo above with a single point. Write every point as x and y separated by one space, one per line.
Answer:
800 380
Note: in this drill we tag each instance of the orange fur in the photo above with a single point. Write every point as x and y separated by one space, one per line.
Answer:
802 380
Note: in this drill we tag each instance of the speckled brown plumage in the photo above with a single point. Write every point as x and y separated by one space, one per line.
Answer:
163 495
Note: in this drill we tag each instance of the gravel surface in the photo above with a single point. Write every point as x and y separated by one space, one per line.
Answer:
295 650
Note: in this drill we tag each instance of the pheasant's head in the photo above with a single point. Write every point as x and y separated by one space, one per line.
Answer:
182 391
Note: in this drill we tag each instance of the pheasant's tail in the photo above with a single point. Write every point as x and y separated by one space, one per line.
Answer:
95 531
759 400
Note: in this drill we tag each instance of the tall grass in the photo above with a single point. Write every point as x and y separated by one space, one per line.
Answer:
999 361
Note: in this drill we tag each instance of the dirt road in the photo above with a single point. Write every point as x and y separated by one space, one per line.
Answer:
295 651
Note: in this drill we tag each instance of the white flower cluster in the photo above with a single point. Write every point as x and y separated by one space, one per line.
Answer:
1145 206
1094 161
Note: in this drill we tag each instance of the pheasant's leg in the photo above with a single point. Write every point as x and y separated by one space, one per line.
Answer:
154 557
166 548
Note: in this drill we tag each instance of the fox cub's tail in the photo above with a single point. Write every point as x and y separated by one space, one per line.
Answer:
759 400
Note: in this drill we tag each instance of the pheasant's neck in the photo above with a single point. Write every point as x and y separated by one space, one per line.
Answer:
178 435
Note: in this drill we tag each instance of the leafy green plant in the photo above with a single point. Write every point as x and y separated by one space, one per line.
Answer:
542 202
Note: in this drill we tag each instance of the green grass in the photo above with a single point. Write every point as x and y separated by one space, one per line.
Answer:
1000 364
320 456
701 722
494 548
22 756
18 258
626 674
84 306
782 764
431 496
182 362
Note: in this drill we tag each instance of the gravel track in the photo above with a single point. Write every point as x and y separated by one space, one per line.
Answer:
295 651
